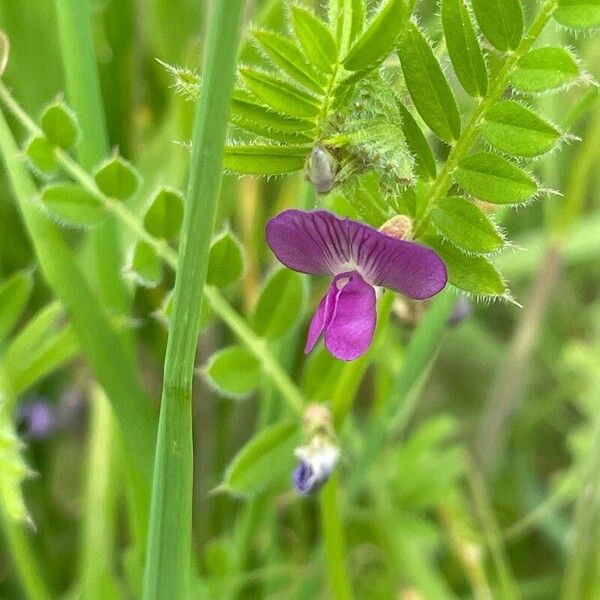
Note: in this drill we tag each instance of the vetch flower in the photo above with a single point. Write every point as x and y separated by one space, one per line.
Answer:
316 463
319 457
359 258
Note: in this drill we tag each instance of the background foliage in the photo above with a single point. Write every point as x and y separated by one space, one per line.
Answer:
468 453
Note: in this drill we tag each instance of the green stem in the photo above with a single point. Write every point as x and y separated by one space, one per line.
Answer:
167 572
258 347
98 522
469 134
132 222
333 536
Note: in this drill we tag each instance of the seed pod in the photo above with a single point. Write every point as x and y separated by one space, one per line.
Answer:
320 170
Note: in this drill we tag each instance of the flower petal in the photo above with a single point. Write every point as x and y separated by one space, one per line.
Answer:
318 242
309 242
322 316
349 332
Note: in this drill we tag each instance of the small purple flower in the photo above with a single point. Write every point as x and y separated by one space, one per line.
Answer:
317 461
38 418
359 258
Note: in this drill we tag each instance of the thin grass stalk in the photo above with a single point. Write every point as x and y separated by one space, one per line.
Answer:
334 540
167 572
96 575
112 366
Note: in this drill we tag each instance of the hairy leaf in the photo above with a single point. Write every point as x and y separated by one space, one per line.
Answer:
280 304
59 125
73 204
517 130
418 145
234 371
543 69
290 60
493 178
265 159
578 14
165 215
463 48
427 85
40 153
144 266
347 19
465 225
226 260
263 461
501 22
117 178
378 39
316 39
471 273
280 95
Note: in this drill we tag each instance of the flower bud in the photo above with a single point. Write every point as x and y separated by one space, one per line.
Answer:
399 227
321 169
319 457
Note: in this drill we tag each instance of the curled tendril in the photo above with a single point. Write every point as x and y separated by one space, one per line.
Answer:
4 51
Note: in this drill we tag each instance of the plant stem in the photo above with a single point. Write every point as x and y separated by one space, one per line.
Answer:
333 536
466 139
167 572
98 523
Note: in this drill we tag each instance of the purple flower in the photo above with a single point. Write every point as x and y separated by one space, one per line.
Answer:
316 462
359 258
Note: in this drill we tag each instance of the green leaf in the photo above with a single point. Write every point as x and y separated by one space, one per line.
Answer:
59 125
290 60
378 39
501 22
263 461
465 225
347 19
418 145
427 85
315 38
543 69
234 371
468 272
14 295
280 304
226 260
243 107
39 348
165 215
517 130
144 266
493 178
578 14
73 204
463 48
117 178
40 153
265 159
280 95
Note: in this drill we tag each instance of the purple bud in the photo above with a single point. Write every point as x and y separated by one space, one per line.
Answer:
38 418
